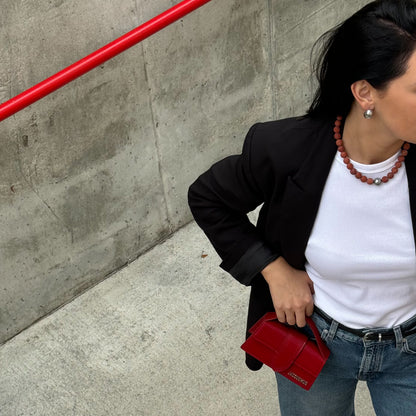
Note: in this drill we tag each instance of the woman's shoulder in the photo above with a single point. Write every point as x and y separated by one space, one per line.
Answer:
289 135
293 127
280 147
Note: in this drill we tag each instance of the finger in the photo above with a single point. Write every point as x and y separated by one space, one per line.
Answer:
290 318
312 288
310 283
309 309
300 319
281 316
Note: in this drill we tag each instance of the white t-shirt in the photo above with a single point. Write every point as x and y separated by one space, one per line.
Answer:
361 252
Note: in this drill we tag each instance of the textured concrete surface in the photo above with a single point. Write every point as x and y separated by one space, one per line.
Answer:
208 83
81 191
159 338
96 173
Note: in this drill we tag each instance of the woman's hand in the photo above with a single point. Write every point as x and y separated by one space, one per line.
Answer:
291 290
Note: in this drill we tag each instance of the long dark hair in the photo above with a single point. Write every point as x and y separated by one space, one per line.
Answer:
374 44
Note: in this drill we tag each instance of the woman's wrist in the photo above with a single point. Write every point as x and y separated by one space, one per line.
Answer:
272 268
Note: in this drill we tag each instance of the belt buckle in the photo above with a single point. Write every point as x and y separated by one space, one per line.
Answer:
368 336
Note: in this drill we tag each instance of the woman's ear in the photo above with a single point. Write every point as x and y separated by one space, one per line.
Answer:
363 93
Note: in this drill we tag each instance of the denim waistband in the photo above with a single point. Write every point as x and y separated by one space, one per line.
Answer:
374 334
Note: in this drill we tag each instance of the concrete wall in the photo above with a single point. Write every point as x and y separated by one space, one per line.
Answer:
297 24
97 173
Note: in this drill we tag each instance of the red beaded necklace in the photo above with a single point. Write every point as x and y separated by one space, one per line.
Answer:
350 166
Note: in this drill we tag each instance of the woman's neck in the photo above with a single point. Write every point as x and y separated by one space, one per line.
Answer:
366 141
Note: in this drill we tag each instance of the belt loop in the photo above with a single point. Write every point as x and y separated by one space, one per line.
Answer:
399 336
332 330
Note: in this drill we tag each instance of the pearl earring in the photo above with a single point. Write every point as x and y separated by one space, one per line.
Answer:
368 114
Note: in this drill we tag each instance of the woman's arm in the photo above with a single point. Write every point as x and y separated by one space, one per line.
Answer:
220 200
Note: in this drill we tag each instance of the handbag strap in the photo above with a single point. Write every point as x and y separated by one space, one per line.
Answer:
271 316
321 346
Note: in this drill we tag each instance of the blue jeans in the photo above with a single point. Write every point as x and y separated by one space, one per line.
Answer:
388 367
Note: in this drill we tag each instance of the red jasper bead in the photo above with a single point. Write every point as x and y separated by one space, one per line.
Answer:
384 179
346 160
398 164
350 166
358 175
394 170
337 130
353 171
370 181
339 142
363 178
344 154
401 158
390 175
406 146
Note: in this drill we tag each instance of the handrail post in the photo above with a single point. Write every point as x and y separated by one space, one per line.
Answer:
97 58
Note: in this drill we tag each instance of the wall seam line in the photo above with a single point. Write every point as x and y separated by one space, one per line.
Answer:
156 141
273 75
155 132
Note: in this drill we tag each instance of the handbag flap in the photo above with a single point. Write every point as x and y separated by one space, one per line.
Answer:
285 342
269 316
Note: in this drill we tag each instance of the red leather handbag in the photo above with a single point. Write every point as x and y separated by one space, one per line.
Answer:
286 350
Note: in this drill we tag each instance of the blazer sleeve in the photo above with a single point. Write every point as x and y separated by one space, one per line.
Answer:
220 200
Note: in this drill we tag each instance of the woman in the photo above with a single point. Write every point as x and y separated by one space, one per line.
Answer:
335 238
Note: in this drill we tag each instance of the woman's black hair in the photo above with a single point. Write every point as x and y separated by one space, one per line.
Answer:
374 44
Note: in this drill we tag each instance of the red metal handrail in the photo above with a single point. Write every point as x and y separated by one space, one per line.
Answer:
97 58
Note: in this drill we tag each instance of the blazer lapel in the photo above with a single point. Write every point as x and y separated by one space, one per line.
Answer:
302 196
411 179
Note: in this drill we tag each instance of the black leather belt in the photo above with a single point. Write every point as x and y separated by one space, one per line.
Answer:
369 334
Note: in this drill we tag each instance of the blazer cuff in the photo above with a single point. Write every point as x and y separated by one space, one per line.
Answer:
254 260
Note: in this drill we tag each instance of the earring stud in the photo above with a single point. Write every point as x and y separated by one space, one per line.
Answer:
368 114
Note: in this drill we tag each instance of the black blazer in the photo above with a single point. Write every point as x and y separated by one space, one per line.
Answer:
284 165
